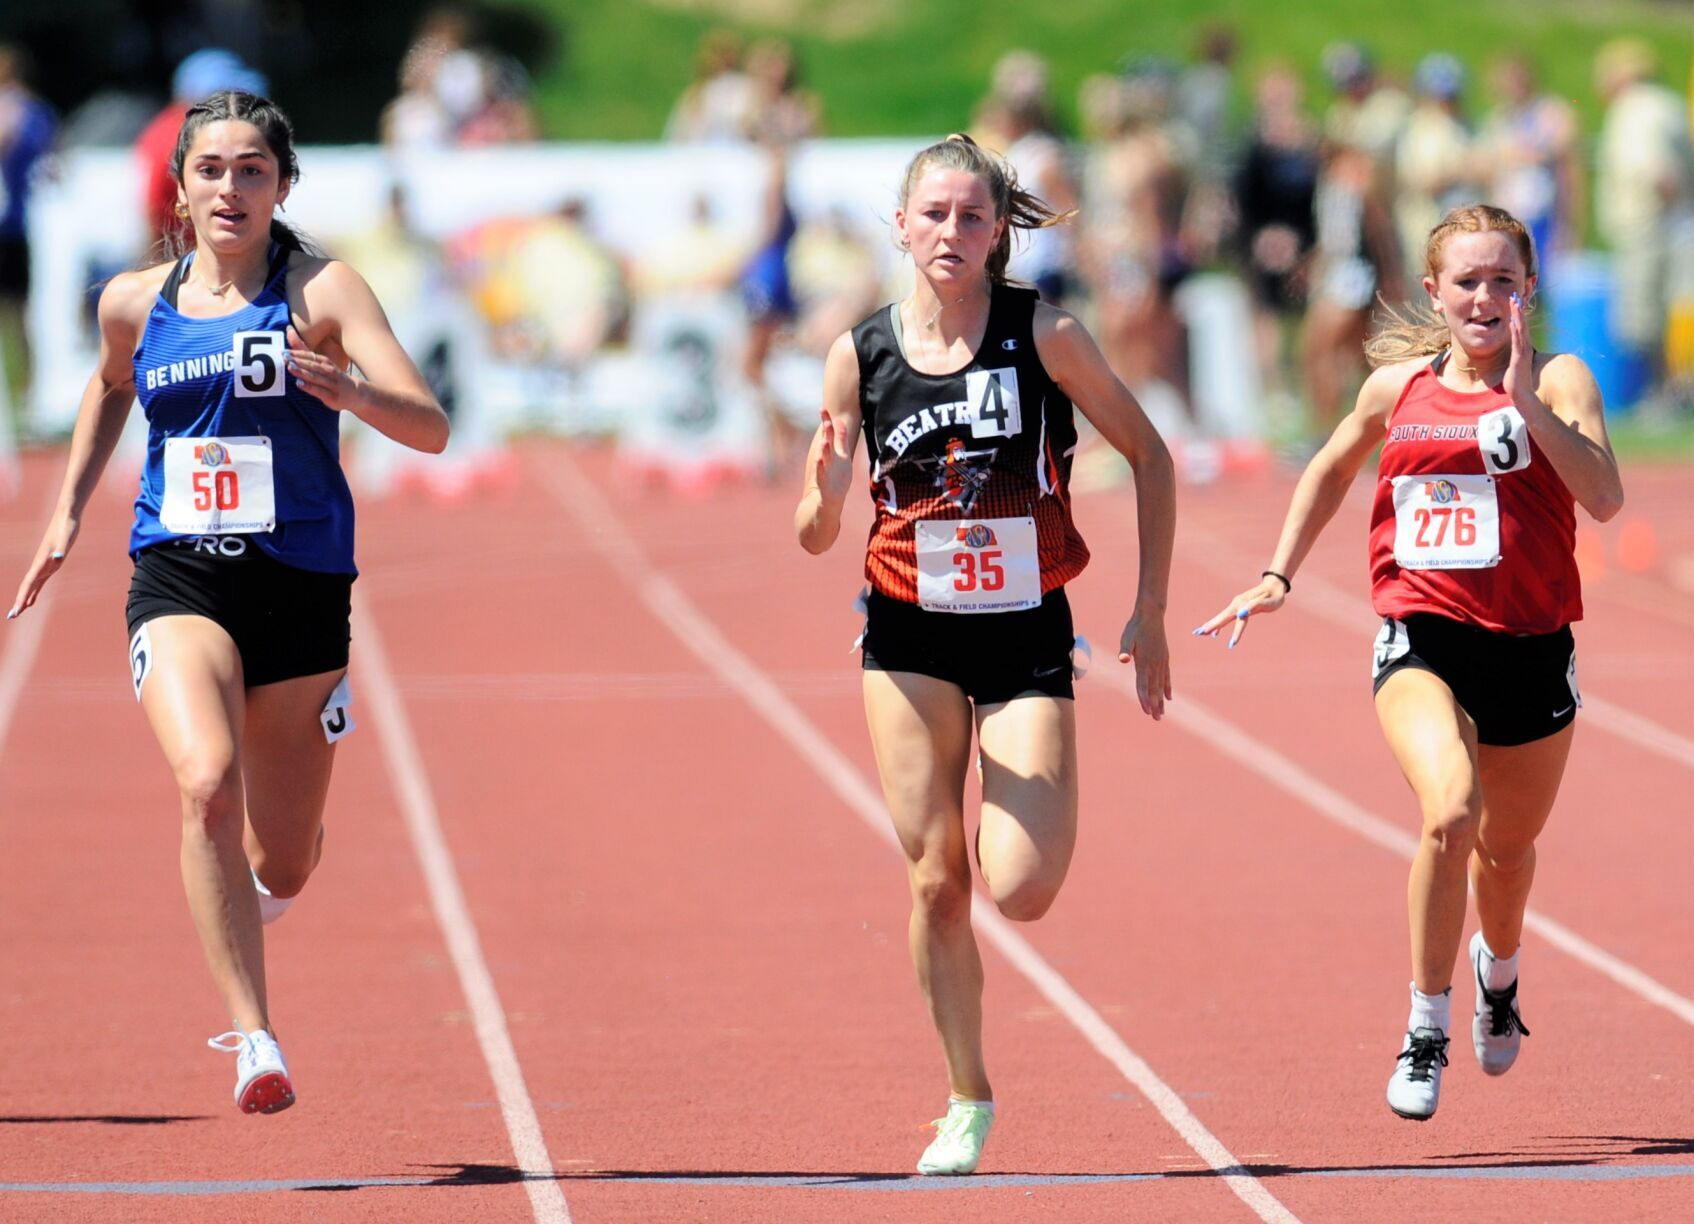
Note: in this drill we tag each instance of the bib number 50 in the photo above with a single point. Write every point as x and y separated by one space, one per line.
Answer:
219 490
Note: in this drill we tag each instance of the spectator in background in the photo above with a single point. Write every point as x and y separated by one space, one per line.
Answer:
1136 181
418 117
768 296
455 92
718 103
502 113
1435 161
1643 192
1275 192
200 75
27 128
1356 256
571 293
1528 150
1019 107
701 257
1367 114
780 111
1202 104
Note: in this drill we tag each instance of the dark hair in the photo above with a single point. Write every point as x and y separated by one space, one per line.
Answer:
274 128
1019 208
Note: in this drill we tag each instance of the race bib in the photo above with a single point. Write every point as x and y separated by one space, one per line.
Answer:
978 565
1503 438
996 410
259 357
1446 522
218 486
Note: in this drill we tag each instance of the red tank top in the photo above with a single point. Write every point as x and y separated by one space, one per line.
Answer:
1468 521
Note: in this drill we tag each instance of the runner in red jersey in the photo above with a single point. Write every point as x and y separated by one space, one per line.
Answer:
1487 447
963 393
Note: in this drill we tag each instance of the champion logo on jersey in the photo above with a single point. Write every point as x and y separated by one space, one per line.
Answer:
1009 345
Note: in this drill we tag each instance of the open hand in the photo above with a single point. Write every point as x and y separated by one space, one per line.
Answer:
321 377
55 547
1267 596
1143 643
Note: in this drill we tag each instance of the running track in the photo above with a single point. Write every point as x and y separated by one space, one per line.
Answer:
608 927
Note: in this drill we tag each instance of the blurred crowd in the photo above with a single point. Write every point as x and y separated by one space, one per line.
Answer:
1318 207
1322 206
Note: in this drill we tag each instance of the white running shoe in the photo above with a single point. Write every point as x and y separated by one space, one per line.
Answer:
270 908
1415 1087
959 1138
261 1076
1498 1030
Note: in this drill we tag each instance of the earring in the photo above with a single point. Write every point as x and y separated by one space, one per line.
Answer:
182 211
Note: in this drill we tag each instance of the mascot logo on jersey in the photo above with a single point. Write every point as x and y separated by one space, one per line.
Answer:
212 454
1441 492
961 474
977 535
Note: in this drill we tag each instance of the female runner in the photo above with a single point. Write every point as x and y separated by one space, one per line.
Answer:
241 354
1487 447
964 392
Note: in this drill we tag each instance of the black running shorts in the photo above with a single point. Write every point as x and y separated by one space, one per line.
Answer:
992 656
286 622
1517 688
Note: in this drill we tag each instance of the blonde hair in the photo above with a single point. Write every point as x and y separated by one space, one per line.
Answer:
1019 208
1417 331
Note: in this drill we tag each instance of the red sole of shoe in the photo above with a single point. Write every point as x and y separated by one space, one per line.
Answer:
268 1094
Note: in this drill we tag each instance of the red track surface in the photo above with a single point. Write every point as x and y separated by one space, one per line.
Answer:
700 948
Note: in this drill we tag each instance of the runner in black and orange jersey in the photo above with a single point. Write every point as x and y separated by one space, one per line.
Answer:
1487 449
963 392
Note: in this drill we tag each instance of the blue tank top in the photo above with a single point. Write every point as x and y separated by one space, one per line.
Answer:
223 381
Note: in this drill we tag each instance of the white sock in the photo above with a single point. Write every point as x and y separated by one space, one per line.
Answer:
1431 1011
988 1105
1498 972
270 908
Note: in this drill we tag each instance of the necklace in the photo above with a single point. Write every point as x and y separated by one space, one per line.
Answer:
935 318
218 290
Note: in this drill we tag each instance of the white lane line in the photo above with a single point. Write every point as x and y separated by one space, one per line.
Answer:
23 635
23 643
1219 733
701 636
423 823
1329 602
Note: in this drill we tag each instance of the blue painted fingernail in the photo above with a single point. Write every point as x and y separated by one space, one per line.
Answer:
1241 615
58 556
1232 643
1516 300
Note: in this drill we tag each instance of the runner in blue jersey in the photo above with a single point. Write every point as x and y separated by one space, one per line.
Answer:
243 352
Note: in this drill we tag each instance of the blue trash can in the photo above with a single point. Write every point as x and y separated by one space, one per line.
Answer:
1579 297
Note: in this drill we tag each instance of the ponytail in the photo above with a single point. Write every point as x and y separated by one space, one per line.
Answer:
1020 209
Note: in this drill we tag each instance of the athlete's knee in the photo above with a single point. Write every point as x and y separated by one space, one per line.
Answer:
940 892
1504 859
1026 899
283 878
1450 819
210 785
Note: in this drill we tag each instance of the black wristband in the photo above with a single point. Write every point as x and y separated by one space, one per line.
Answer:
1287 586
